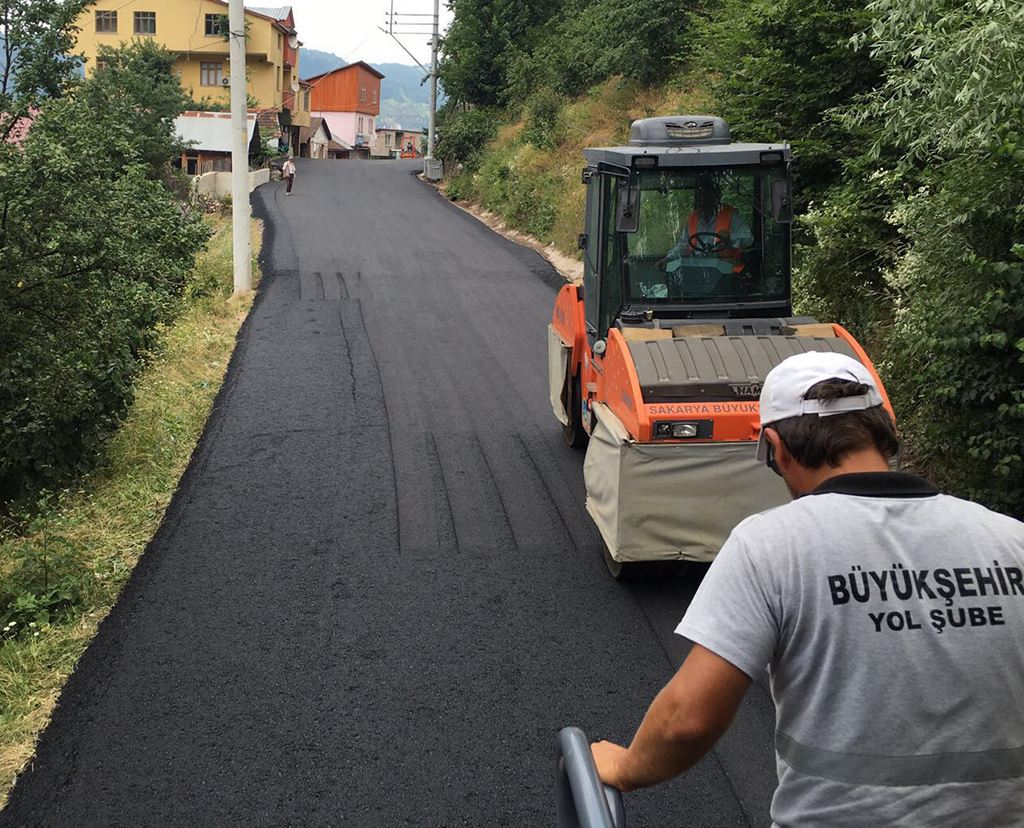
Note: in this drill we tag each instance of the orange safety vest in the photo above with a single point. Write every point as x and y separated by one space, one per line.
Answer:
723 223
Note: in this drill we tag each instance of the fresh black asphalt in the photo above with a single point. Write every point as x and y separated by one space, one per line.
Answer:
377 594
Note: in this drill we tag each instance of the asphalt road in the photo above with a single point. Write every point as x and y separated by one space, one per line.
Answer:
377 594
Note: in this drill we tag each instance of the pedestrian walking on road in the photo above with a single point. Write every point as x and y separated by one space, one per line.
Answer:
889 617
288 171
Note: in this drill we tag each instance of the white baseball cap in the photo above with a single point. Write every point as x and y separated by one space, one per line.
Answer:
782 395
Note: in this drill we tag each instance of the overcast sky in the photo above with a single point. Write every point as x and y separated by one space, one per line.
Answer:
349 28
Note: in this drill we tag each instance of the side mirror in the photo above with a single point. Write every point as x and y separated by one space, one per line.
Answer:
627 210
782 201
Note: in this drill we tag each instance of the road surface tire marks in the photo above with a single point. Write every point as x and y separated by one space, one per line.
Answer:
376 594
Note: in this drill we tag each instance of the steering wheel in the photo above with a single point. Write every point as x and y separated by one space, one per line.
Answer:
707 243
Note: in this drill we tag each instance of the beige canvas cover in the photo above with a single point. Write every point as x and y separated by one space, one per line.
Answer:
671 501
558 368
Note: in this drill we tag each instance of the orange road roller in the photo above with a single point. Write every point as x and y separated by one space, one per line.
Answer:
656 362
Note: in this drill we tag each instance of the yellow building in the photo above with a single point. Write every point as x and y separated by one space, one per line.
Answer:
191 31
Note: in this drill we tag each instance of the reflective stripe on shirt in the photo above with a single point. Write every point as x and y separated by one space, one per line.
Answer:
897 771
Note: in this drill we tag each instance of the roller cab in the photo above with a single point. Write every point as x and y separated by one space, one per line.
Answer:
656 362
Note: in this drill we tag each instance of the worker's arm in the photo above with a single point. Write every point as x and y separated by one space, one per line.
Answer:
682 724
681 250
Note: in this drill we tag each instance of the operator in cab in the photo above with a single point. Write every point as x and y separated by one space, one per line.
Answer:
713 229
889 619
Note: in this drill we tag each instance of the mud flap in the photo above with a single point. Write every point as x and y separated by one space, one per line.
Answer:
671 501
559 355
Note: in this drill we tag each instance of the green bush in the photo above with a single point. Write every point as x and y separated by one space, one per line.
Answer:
46 580
958 340
95 252
464 135
840 271
460 188
507 184
543 128
933 236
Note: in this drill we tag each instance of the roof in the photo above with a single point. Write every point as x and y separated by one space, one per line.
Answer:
20 127
305 133
338 144
706 155
277 12
362 63
210 131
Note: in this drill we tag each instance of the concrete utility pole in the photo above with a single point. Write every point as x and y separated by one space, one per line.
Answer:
433 82
431 169
239 151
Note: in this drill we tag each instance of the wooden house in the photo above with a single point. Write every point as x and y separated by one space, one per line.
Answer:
348 99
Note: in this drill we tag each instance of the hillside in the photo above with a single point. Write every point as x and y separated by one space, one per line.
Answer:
909 191
405 95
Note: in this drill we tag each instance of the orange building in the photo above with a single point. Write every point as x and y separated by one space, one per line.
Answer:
348 99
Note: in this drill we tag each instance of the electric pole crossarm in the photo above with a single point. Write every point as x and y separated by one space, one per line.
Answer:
410 54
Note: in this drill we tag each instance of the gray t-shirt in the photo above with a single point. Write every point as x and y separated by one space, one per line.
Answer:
891 621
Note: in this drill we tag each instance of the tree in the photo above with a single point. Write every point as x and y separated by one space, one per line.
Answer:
952 99
94 257
779 69
479 45
36 58
137 89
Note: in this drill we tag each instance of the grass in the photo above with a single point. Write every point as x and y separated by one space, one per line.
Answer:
114 511
537 190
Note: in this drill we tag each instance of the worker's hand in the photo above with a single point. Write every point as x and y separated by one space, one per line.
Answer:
609 757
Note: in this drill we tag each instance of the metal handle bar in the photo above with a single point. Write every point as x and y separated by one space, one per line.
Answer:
581 801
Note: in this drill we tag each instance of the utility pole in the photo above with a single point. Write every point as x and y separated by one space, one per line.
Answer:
239 150
413 24
431 132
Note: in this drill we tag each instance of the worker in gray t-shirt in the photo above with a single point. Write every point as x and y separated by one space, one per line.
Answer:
890 618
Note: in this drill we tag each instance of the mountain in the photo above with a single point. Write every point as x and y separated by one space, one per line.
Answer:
404 100
313 62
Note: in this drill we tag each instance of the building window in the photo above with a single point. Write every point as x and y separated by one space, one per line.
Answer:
280 41
305 100
106 22
387 139
278 78
362 93
101 65
375 96
360 130
211 73
145 23
214 25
